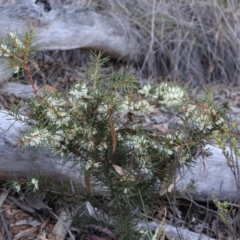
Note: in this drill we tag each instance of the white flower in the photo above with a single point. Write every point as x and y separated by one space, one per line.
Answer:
51 114
73 132
34 182
143 171
4 51
189 110
164 149
139 143
169 95
16 69
103 108
57 113
77 103
89 132
201 119
37 137
138 108
126 106
56 138
125 190
90 164
145 90
142 107
220 121
80 91
63 121
89 145
43 137
168 151
16 39
56 101
16 186
102 145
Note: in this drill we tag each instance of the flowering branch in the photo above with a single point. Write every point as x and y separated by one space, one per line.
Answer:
18 53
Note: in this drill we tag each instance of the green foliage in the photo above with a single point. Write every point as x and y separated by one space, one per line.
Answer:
32 185
18 50
222 208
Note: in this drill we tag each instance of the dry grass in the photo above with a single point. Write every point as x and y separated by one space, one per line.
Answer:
194 41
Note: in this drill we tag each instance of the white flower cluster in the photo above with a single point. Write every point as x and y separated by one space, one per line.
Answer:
80 91
202 118
146 90
139 143
170 144
92 165
141 146
62 130
4 51
16 186
43 137
87 138
164 150
16 39
58 111
167 94
138 108
34 183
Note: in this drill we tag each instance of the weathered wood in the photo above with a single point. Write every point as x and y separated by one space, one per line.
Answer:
18 163
216 179
68 28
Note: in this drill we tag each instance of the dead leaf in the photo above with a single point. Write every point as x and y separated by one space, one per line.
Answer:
114 136
25 233
166 185
171 186
87 181
124 173
47 89
161 213
160 231
94 237
161 128
168 179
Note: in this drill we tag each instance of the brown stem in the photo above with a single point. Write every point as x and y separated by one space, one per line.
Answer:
29 75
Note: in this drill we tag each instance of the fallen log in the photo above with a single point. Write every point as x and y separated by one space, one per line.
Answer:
216 179
18 163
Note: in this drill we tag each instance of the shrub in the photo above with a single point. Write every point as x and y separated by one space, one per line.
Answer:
97 123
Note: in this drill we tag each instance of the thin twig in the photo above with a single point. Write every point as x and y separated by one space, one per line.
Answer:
9 235
23 207
62 222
